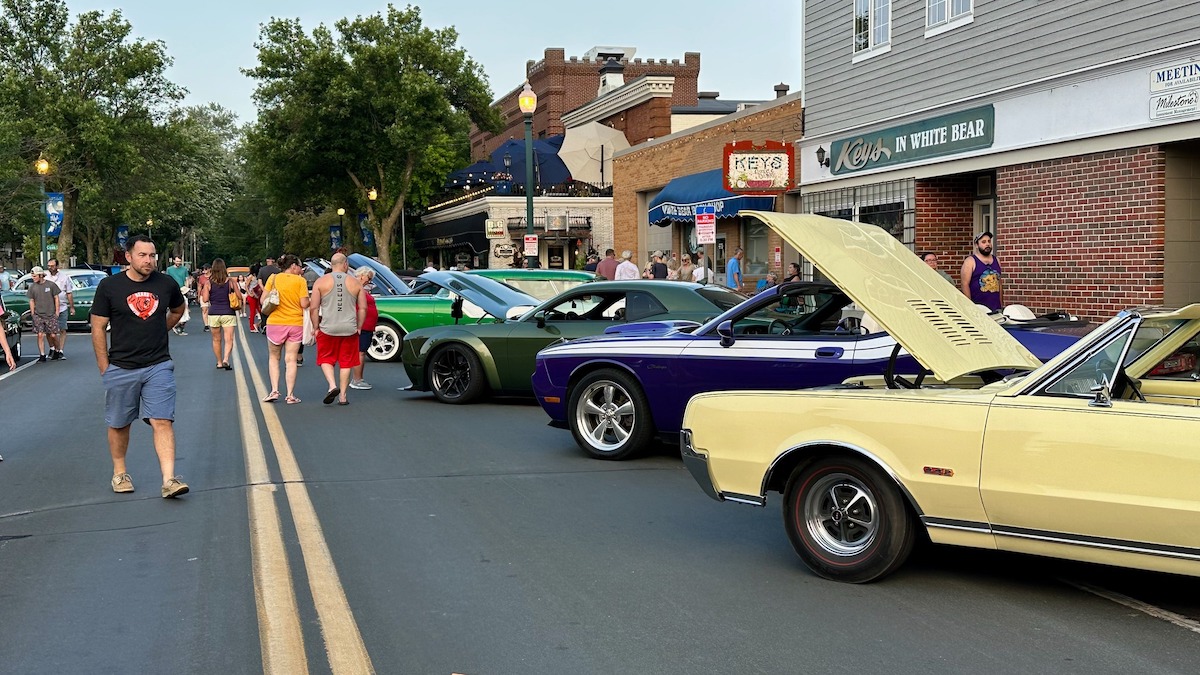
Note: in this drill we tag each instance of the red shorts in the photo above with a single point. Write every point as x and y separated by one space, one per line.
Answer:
337 350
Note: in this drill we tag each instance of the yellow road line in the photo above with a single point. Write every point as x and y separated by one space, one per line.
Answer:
280 636
343 642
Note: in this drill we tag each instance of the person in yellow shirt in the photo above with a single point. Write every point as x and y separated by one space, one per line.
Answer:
285 325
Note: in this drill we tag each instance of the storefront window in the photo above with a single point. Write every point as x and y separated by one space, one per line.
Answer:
756 248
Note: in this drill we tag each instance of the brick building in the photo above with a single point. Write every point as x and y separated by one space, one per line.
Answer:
563 84
695 156
1081 155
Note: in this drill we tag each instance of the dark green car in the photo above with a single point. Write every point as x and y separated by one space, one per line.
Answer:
461 363
431 299
83 290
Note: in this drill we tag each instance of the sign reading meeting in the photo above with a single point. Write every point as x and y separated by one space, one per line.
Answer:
944 135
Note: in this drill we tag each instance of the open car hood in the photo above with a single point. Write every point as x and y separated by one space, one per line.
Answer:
491 296
930 318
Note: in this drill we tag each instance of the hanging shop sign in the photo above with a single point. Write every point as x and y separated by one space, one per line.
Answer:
496 228
759 169
504 250
937 136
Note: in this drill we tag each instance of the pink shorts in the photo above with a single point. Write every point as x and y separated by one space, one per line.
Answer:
281 334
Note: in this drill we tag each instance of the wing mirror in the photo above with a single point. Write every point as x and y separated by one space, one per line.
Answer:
725 330
541 319
1103 394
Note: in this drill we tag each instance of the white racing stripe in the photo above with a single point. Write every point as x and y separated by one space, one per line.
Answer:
9 373
343 642
1144 607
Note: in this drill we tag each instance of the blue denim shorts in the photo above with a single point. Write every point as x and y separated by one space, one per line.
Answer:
147 392
62 320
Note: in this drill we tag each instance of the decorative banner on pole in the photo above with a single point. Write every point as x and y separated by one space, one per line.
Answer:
335 237
122 235
54 213
368 235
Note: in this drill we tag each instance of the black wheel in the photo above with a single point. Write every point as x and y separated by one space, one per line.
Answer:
847 520
455 374
609 415
386 342
27 320
16 349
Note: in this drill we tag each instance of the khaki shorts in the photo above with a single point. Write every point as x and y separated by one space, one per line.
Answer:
221 320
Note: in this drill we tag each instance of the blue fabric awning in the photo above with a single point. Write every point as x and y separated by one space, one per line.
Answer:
678 200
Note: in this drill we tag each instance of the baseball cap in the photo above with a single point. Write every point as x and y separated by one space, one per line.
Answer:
37 270
981 235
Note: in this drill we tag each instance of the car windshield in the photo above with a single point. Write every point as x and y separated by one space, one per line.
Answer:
722 297
87 280
542 289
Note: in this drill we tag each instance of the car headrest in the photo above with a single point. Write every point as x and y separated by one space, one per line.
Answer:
1019 313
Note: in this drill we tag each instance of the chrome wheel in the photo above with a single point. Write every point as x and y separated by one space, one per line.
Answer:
605 415
609 415
385 343
841 514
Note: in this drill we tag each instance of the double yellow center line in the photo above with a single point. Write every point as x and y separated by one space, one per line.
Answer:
279 627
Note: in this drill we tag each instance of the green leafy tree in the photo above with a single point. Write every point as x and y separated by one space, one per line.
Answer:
385 105
82 91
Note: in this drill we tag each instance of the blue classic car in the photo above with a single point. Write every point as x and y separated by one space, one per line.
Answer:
618 391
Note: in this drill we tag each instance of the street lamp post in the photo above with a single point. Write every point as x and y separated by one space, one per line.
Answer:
528 103
43 168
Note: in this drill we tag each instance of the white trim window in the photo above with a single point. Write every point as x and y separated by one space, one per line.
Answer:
872 25
947 14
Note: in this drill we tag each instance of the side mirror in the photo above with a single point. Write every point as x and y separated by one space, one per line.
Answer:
1103 394
541 319
725 330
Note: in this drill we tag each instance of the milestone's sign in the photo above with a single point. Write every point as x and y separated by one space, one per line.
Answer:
944 135
759 169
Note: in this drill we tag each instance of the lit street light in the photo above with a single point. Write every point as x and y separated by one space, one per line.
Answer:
43 168
528 103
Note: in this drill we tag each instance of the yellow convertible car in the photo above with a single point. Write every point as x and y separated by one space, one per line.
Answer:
1093 456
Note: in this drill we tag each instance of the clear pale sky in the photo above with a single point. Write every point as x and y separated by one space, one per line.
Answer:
746 48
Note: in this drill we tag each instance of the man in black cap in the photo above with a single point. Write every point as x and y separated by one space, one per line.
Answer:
980 278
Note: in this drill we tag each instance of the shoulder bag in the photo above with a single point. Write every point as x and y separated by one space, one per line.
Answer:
235 301
271 299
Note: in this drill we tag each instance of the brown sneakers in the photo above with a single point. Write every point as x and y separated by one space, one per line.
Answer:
174 488
122 483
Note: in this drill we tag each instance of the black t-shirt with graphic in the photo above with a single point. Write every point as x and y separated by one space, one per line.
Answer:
137 313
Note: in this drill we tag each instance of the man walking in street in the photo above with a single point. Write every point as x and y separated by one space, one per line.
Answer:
733 270
341 312
980 278
66 305
180 274
43 307
266 271
139 305
5 279
627 270
607 268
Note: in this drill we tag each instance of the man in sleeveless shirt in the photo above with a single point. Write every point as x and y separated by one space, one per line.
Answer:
341 311
980 279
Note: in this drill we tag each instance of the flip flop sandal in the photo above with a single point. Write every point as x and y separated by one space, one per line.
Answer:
271 397
292 399
343 402
330 395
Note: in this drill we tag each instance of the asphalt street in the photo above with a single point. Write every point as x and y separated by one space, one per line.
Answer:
401 535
